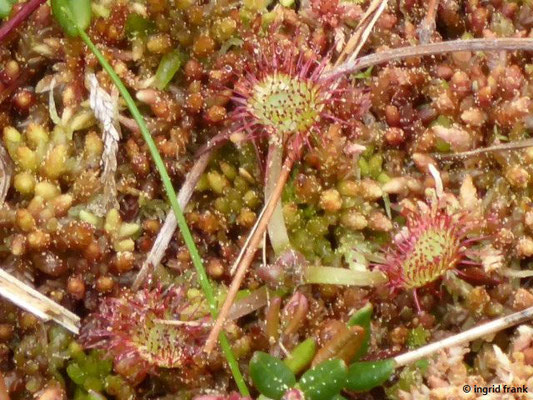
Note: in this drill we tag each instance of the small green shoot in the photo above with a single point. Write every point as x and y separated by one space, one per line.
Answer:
362 318
301 356
168 66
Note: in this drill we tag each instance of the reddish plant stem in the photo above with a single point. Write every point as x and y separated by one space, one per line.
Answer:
248 257
15 21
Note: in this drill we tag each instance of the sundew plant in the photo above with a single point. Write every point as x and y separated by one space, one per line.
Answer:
260 199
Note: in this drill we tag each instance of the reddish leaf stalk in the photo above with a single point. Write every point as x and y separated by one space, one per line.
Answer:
22 15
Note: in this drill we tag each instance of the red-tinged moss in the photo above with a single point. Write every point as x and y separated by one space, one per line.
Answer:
334 13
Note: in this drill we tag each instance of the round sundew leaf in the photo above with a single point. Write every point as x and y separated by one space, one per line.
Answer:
324 381
366 375
270 375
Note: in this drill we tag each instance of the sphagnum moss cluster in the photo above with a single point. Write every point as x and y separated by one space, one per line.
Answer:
359 199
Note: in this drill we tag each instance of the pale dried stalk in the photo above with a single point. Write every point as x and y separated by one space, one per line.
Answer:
167 231
521 144
427 26
105 108
249 254
362 31
6 172
250 235
510 44
36 303
277 230
490 328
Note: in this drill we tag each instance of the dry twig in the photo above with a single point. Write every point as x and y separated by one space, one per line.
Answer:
165 234
427 26
6 171
521 144
362 31
36 303
255 240
490 328
511 44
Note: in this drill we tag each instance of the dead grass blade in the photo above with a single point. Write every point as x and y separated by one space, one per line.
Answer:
167 231
510 44
36 303
6 172
490 328
362 31
521 144
105 109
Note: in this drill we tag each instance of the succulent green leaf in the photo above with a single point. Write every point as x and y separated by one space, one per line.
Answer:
270 375
324 381
301 356
366 375
169 65
362 318
72 15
